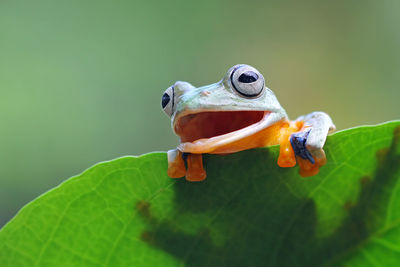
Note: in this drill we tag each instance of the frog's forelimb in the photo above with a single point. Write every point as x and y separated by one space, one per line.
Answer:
176 165
319 125
308 143
298 142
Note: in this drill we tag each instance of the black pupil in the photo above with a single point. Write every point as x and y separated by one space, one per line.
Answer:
248 77
165 100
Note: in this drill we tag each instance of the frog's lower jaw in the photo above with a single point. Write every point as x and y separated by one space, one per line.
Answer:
238 130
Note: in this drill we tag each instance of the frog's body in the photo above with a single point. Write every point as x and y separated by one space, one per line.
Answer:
236 114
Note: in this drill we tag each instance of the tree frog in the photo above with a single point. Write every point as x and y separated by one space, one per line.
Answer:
238 113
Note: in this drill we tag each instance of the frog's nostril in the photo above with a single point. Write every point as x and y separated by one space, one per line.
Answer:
248 77
205 93
165 100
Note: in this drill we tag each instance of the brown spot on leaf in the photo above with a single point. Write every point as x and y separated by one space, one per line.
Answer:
396 135
381 155
147 237
348 205
365 180
144 208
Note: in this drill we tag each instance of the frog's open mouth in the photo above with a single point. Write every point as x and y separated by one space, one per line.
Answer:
206 125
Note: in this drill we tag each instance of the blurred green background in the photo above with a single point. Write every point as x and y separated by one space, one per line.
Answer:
81 81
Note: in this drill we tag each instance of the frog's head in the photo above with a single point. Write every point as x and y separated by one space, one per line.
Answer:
237 106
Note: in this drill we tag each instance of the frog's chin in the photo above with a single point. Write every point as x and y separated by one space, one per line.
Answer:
206 132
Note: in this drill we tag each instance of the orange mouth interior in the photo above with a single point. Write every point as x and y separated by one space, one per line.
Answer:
196 126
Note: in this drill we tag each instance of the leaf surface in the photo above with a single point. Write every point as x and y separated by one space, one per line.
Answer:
248 212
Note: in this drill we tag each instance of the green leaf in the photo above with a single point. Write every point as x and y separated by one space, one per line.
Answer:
248 212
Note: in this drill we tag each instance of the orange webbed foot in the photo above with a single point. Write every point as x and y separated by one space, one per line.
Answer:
195 171
287 156
309 158
293 149
177 169
176 165
307 168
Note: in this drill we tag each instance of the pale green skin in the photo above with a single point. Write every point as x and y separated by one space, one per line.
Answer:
221 96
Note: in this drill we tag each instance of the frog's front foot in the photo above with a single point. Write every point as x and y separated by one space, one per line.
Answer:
309 157
298 142
195 170
176 165
177 169
308 143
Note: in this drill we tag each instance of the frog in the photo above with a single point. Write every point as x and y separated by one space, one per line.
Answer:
238 113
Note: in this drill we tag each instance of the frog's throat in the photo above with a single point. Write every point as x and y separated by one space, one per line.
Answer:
197 139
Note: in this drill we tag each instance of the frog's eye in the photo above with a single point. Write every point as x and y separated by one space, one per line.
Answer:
167 101
247 81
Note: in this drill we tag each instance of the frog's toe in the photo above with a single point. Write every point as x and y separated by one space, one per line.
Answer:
176 165
309 157
298 142
195 171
